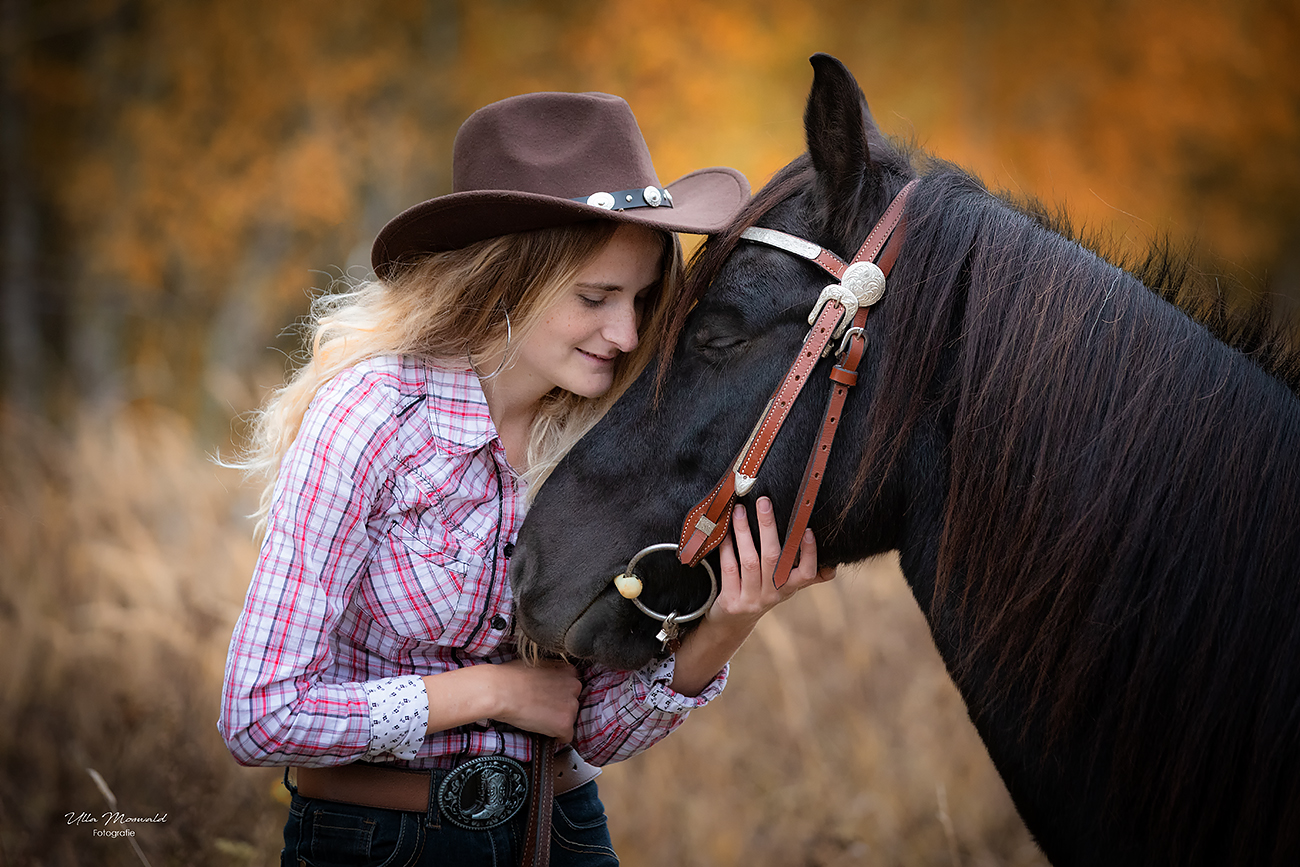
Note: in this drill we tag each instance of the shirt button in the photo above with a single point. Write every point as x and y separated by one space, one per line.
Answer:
508 549
499 622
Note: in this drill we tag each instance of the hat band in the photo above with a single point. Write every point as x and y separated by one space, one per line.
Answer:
625 200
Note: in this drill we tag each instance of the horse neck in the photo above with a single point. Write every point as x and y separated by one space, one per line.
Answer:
1064 391
1082 397
1112 542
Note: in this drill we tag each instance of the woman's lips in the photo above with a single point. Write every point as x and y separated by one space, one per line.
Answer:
598 359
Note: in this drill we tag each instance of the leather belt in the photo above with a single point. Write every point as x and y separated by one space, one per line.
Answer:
541 802
412 791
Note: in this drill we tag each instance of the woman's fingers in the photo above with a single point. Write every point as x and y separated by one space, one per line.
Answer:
730 583
806 573
753 569
750 564
768 540
746 590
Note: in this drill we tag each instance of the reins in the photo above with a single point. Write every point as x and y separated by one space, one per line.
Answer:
839 314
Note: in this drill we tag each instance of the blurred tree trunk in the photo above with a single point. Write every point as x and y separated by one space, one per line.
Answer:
98 364
22 361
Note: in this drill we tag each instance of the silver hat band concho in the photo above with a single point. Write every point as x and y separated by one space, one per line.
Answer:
623 200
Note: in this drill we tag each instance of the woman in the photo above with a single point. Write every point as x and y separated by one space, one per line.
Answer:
375 651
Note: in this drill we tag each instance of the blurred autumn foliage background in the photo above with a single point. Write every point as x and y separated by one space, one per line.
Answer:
180 175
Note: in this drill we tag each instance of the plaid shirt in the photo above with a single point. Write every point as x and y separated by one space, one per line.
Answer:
386 557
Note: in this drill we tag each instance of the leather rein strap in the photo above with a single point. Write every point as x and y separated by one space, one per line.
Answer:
840 312
541 800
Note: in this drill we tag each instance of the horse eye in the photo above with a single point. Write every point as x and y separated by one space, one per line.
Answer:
721 343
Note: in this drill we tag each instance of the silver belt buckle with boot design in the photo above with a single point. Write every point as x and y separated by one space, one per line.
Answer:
483 792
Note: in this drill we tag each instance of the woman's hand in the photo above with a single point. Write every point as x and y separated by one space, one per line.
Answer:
745 594
746 591
540 698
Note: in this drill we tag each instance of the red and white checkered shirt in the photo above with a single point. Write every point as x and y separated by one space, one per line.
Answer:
385 559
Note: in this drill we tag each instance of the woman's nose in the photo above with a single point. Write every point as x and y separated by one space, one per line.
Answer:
621 330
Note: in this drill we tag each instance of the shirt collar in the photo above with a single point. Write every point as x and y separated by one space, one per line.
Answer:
458 409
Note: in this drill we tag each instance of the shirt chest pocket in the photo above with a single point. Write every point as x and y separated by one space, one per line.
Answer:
421 592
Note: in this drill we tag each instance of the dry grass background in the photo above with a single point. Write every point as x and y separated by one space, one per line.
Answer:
124 556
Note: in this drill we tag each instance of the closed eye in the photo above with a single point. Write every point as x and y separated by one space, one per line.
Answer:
719 343
720 347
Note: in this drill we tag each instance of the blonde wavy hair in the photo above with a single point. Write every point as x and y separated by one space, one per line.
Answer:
446 308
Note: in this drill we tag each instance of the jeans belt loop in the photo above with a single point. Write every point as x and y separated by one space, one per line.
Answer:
432 820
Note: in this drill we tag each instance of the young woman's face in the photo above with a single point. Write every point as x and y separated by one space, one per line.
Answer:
579 340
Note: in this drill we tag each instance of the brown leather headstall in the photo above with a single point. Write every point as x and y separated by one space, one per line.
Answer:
839 314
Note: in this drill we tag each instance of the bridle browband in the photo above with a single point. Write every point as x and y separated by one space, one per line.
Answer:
839 314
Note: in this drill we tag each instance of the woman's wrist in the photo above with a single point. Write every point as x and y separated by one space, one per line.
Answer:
704 653
462 696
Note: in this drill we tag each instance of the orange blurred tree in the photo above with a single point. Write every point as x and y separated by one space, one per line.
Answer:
179 175
195 159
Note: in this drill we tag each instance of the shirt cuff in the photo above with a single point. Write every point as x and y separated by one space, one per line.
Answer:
658 676
399 717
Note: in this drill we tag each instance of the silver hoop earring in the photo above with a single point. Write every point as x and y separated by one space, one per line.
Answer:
504 355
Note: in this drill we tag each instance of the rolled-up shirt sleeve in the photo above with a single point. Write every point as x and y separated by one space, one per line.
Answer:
624 713
276 709
399 717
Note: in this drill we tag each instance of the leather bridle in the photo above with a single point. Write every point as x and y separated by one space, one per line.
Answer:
839 314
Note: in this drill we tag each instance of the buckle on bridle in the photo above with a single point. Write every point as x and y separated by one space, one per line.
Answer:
845 297
855 331
862 285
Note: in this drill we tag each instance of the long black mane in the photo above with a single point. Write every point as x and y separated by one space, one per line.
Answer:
1119 551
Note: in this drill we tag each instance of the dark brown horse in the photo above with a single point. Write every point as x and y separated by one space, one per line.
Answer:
1095 499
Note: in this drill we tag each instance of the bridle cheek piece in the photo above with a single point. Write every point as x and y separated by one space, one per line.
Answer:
840 313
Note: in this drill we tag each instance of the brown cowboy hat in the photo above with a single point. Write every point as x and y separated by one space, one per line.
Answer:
549 159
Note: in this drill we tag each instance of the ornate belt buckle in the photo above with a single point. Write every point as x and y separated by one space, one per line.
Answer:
483 792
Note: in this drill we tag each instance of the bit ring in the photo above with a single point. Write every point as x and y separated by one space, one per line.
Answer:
682 618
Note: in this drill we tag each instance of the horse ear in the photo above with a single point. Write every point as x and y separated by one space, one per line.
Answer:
838 125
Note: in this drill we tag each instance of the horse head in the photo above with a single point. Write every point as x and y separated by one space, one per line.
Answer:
631 481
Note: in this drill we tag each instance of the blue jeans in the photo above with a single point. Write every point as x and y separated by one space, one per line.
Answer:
329 834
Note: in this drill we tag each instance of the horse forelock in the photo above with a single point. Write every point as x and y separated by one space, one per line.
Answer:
794 178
